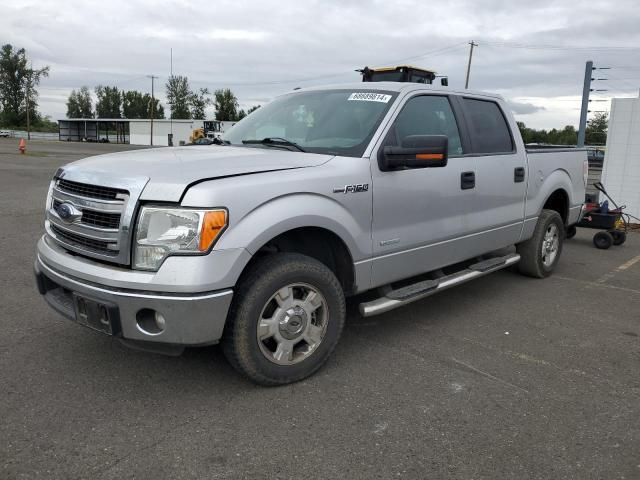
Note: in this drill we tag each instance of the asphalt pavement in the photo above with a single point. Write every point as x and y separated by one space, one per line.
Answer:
505 377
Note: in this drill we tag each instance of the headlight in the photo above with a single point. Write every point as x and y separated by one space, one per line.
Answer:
47 205
174 231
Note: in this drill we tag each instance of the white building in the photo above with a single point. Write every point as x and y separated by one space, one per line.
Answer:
126 130
621 172
140 131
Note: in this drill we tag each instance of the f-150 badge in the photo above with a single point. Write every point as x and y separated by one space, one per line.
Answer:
360 187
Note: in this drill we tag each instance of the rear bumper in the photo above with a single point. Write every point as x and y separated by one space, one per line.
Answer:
189 319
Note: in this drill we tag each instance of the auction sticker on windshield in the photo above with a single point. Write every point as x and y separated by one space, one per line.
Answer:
370 97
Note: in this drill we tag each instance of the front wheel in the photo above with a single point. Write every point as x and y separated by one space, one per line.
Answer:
286 318
603 240
540 254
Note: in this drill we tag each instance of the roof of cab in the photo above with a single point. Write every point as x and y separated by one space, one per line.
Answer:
398 87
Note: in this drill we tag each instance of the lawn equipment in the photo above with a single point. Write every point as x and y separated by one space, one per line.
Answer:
613 224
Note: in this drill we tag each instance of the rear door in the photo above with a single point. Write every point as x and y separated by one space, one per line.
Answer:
501 171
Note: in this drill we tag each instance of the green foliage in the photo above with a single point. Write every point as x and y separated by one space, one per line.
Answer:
138 105
45 124
109 102
242 113
226 105
179 97
79 104
596 131
567 136
199 101
18 84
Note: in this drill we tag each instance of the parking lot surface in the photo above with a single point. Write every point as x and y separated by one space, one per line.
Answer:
504 377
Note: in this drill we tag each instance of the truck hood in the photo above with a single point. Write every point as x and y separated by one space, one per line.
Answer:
166 172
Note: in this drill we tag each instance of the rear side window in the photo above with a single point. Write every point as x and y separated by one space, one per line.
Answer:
489 130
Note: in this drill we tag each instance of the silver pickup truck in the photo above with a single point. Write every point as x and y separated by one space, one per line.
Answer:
400 189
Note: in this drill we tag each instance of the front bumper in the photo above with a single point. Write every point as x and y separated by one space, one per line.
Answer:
189 319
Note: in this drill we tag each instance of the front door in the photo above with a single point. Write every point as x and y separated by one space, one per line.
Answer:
423 217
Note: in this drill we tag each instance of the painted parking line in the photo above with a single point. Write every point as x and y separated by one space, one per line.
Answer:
621 268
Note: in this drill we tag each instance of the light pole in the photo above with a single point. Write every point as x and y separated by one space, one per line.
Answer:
153 102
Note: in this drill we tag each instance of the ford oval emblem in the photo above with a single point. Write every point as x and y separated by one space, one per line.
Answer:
67 212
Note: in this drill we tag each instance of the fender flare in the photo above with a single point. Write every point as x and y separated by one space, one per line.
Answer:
296 210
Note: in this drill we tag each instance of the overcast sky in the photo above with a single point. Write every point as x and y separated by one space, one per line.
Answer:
527 49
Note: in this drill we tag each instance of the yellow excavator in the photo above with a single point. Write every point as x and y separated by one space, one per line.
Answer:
401 73
196 134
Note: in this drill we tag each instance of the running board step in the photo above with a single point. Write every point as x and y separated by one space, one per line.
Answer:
417 291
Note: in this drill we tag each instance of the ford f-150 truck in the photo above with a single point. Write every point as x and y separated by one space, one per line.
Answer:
400 189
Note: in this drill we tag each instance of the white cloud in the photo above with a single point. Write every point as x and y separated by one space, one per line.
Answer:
264 48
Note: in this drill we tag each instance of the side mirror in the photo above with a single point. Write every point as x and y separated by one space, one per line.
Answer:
444 81
417 151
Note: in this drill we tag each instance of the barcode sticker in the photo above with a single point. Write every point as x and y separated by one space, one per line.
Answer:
370 97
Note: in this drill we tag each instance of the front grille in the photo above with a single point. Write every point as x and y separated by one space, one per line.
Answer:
101 216
89 191
100 219
74 239
96 218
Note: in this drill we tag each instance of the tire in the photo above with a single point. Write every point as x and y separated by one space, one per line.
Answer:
548 234
618 237
277 332
571 232
603 240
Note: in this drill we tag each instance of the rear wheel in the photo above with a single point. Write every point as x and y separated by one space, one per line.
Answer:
540 254
286 319
571 232
618 237
603 240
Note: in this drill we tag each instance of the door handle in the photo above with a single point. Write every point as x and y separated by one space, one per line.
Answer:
467 180
518 174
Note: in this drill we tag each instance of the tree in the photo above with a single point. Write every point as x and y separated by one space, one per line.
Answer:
241 113
566 136
199 101
138 105
18 82
109 102
226 105
596 131
179 97
79 104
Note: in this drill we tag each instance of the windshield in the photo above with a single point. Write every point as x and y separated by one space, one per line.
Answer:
337 122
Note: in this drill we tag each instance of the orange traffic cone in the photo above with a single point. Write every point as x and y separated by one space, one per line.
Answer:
23 146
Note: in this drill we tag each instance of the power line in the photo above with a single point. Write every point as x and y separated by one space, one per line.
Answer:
556 47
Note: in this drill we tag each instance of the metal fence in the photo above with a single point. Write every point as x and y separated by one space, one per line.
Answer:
35 135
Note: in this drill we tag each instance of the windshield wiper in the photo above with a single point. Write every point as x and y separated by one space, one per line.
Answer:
276 142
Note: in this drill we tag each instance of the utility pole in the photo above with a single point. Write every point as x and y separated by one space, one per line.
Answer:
472 44
27 101
153 101
171 117
586 89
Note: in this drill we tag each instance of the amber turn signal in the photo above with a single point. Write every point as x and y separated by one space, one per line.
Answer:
429 156
212 226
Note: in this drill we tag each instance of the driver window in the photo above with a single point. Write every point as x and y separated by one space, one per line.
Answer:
427 115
